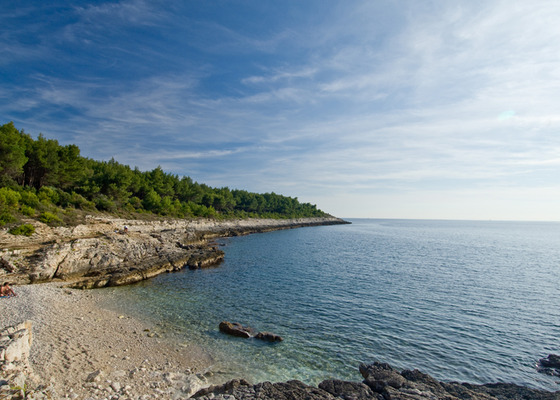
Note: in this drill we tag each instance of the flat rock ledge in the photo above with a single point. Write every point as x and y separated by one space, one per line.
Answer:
112 252
381 382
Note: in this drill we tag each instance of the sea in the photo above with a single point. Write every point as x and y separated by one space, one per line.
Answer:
466 301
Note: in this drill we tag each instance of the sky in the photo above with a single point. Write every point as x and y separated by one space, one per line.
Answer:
374 109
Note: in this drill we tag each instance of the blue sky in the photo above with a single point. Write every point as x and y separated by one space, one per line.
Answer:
393 109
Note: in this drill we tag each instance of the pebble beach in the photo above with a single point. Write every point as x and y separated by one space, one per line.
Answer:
82 351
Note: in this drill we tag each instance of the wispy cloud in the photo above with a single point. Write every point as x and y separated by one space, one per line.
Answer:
361 97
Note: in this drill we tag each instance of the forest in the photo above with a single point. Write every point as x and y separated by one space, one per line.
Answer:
43 180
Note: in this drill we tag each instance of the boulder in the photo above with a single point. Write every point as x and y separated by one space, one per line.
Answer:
269 337
389 385
380 375
347 390
236 329
552 361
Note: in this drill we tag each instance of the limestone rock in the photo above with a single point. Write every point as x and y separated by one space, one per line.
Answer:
100 253
95 376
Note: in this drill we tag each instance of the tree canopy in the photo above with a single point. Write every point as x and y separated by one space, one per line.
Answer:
42 179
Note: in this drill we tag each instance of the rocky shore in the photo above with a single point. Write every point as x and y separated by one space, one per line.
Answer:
111 252
56 342
380 382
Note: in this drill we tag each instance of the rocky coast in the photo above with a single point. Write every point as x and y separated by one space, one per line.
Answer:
58 342
108 251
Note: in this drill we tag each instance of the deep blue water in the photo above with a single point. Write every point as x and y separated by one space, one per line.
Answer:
465 301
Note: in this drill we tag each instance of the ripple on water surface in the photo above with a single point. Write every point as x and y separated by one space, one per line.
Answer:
464 301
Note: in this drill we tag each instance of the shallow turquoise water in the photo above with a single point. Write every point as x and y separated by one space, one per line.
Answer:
465 301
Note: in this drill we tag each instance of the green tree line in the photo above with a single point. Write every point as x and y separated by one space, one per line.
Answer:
42 179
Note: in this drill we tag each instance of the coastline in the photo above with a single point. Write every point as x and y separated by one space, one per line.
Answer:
82 350
107 251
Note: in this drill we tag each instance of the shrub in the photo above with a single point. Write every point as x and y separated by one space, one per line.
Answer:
26 210
79 201
49 195
25 230
49 218
9 197
103 203
29 198
6 217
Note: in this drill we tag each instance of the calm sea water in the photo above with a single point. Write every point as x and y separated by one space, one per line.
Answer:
467 301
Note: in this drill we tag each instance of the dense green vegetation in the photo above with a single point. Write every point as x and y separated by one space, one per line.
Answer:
43 180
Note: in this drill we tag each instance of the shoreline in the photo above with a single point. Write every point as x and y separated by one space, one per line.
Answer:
107 251
84 350
81 350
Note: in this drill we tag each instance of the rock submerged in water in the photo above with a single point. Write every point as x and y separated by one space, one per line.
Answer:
269 337
238 330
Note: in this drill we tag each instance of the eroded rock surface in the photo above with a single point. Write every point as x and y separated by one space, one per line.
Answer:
103 253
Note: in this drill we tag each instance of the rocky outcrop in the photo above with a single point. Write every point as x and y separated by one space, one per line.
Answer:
103 253
381 382
549 365
16 375
238 330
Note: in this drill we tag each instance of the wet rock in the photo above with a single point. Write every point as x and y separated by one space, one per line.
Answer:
388 383
236 329
269 337
552 361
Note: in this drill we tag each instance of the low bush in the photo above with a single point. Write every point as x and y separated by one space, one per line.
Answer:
26 210
49 218
25 230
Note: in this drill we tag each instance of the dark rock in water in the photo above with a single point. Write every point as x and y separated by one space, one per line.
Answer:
205 257
549 365
552 361
291 390
381 382
268 337
235 329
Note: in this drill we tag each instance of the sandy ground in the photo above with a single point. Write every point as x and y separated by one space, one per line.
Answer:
85 352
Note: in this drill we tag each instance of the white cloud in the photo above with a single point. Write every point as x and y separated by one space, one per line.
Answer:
416 100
